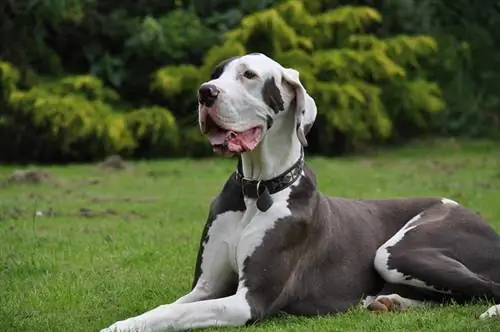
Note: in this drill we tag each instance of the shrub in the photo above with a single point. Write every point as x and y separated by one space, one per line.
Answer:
194 144
9 77
154 130
45 126
175 86
366 88
77 118
88 86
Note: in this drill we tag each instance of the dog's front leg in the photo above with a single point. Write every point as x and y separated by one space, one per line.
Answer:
203 290
227 311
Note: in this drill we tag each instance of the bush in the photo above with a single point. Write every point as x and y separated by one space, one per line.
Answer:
366 88
9 77
48 127
87 86
194 144
154 130
381 71
175 87
74 119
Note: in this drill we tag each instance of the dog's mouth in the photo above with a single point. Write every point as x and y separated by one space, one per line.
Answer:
226 141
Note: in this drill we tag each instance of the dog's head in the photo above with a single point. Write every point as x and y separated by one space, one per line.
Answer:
245 97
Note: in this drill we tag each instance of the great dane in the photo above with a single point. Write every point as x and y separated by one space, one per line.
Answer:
273 243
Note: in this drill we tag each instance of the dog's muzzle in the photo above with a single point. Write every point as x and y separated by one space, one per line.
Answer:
223 138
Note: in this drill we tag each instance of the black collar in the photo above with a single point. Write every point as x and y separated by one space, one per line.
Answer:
255 188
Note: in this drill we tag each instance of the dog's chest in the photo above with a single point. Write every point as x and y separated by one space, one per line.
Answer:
234 235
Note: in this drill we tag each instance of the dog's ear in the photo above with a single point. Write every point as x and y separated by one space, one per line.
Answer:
305 111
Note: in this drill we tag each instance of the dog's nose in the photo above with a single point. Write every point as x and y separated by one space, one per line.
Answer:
207 94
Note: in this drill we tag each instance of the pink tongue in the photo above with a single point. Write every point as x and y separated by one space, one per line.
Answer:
237 142
217 138
245 141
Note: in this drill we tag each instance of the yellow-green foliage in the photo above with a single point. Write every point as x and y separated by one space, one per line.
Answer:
219 53
178 83
9 76
362 84
365 88
88 86
153 128
70 121
174 80
268 32
72 118
401 49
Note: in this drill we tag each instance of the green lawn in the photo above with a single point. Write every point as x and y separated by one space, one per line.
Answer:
116 243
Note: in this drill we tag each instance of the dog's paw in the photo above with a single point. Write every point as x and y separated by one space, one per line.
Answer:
367 301
384 304
493 311
391 302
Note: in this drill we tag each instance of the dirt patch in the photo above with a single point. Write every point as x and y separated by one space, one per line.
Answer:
448 168
88 182
113 163
89 213
163 173
103 199
29 176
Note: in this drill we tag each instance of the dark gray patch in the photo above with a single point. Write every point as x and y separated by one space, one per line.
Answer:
320 259
269 121
451 249
325 251
230 199
272 95
219 69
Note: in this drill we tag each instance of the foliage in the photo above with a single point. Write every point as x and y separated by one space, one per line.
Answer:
466 64
175 86
57 127
154 130
363 85
87 86
9 77
72 119
381 71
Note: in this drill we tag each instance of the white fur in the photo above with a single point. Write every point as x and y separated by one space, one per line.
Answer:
233 237
365 303
228 311
215 263
448 201
402 302
493 311
240 106
381 261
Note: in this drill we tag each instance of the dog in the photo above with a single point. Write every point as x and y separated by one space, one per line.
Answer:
273 243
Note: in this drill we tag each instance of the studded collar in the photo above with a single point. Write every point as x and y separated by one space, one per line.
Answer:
255 188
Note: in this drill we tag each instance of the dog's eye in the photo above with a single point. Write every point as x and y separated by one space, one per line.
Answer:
249 74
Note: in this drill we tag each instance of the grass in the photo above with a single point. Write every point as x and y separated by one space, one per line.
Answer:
114 244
